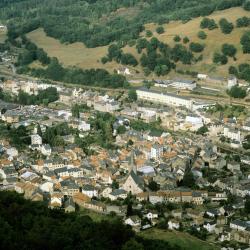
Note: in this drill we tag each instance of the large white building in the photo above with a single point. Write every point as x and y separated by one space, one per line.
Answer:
168 99
232 134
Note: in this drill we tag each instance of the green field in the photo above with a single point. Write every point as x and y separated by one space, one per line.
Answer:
77 54
178 238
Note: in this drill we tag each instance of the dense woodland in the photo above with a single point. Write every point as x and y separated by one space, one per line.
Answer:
31 225
97 22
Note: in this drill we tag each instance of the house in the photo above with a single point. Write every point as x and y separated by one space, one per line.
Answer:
156 151
210 226
133 221
117 193
46 149
232 81
173 224
69 205
232 134
151 215
90 191
133 184
36 139
56 200
240 225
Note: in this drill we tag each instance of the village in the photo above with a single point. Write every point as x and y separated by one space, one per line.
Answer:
170 161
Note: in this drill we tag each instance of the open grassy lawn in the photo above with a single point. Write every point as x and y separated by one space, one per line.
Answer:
215 38
178 238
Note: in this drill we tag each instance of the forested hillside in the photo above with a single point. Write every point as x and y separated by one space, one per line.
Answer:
98 22
154 38
31 225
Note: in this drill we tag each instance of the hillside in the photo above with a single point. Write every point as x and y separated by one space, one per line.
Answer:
77 54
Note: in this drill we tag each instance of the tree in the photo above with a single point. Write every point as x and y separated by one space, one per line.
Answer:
245 42
202 130
149 33
202 35
226 27
219 58
160 30
121 130
177 38
247 205
237 92
185 40
132 245
243 22
75 110
196 47
115 185
207 23
153 186
132 95
228 50
188 180
129 209
246 5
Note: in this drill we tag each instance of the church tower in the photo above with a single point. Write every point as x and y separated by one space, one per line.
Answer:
132 162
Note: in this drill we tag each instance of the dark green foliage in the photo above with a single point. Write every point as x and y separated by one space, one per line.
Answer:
202 130
19 137
245 42
237 92
228 50
243 22
207 23
246 5
219 58
196 47
246 145
185 40
233 71
132 96
188 180
149 33
153 186
160 30
225 26
177 38
202 35
84 21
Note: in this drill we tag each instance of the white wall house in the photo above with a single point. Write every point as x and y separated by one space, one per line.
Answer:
36 139
232 134
156 151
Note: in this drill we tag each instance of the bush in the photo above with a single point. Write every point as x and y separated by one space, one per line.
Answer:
219 58
160 30
177 38
202 35
149 33
237 92
226 27
207 23
196 47
228 50
243 22
246 5
245 42
185 40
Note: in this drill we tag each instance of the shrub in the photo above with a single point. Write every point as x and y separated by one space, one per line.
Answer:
202 35
177 38
226 27
228 50
196 47
160 30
